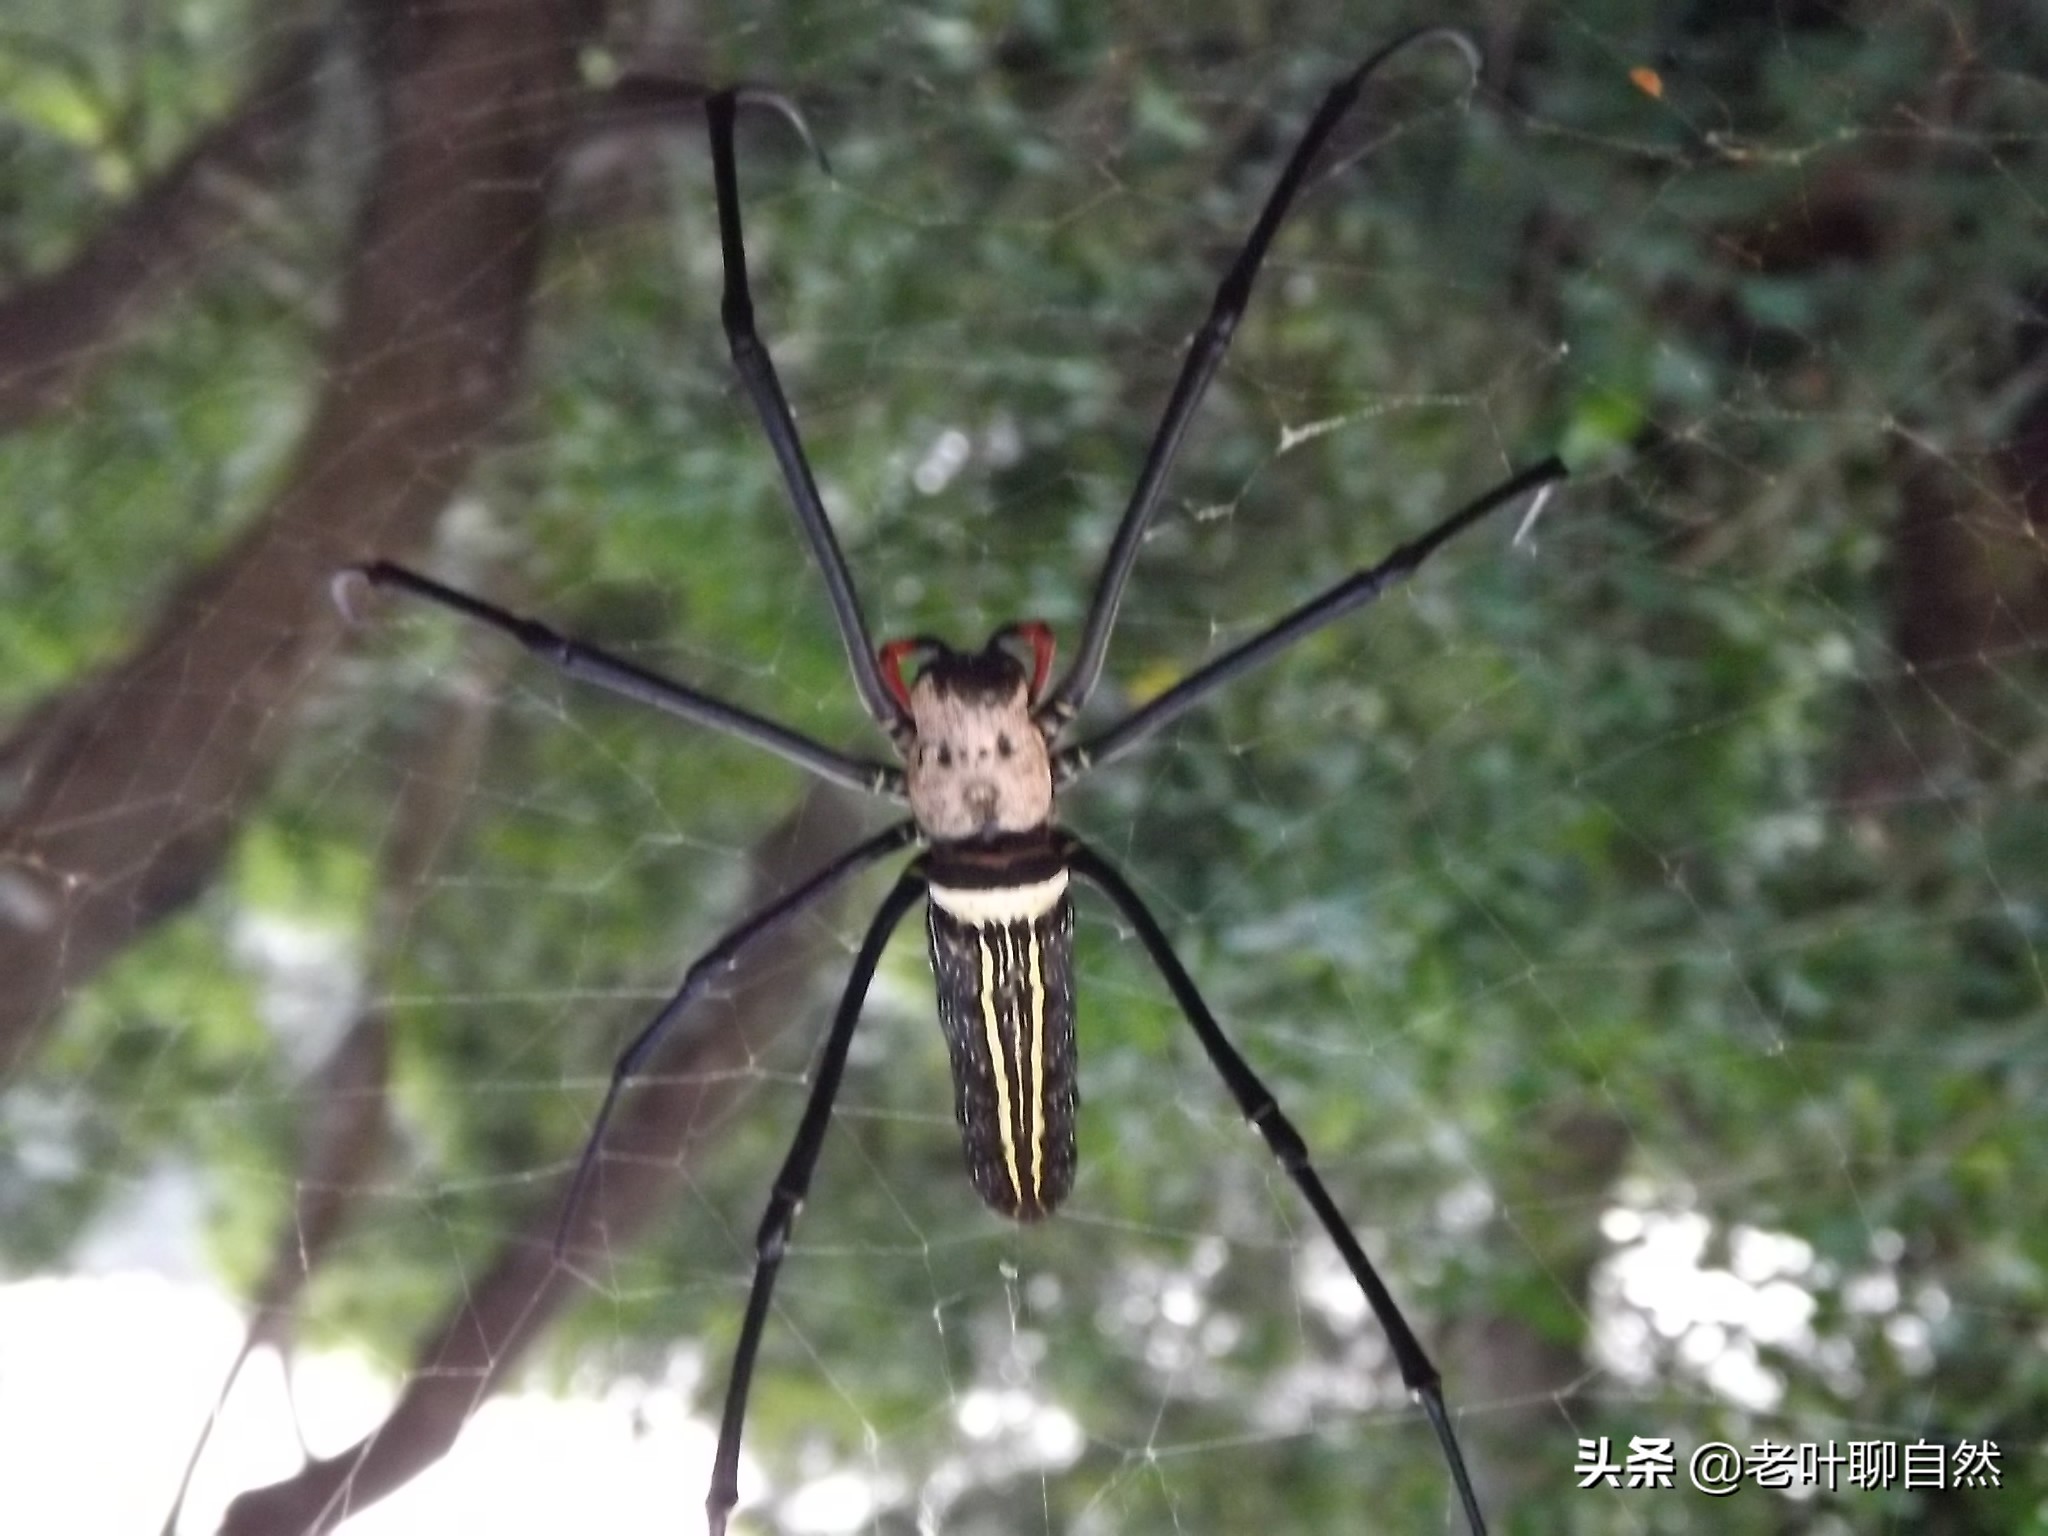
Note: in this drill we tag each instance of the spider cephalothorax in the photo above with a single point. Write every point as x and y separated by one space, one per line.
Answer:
976 764
978 734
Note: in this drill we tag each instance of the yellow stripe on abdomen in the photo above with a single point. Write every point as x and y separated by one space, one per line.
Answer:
1035 1023
998 1059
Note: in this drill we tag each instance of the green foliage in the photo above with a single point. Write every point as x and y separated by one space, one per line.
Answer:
1543 890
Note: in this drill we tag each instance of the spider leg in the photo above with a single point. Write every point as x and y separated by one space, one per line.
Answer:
713 962
1204 356
616 675
1253 1098
757 373
1348 595
791 1185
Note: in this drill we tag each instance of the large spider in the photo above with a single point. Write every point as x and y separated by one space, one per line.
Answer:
978 735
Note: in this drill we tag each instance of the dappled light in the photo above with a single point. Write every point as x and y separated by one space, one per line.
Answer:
1641 912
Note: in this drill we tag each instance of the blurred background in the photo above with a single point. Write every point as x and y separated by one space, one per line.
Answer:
1645 922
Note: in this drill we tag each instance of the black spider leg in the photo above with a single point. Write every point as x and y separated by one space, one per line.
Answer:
616 675
757 373
791 1184
1348 595
713 962
1205 355
1420 1376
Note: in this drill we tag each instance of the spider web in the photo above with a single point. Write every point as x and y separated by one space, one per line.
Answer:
1643 921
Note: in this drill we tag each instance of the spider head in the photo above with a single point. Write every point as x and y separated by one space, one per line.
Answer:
976 763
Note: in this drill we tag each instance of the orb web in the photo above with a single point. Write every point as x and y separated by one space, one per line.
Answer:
1642 919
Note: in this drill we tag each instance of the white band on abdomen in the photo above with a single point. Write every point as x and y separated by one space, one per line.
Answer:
1002 903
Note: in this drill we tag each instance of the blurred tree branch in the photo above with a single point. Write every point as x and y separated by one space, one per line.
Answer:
57 331
659 1130
123 793
348 1108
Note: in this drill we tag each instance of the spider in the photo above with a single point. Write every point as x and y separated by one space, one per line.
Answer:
978 736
